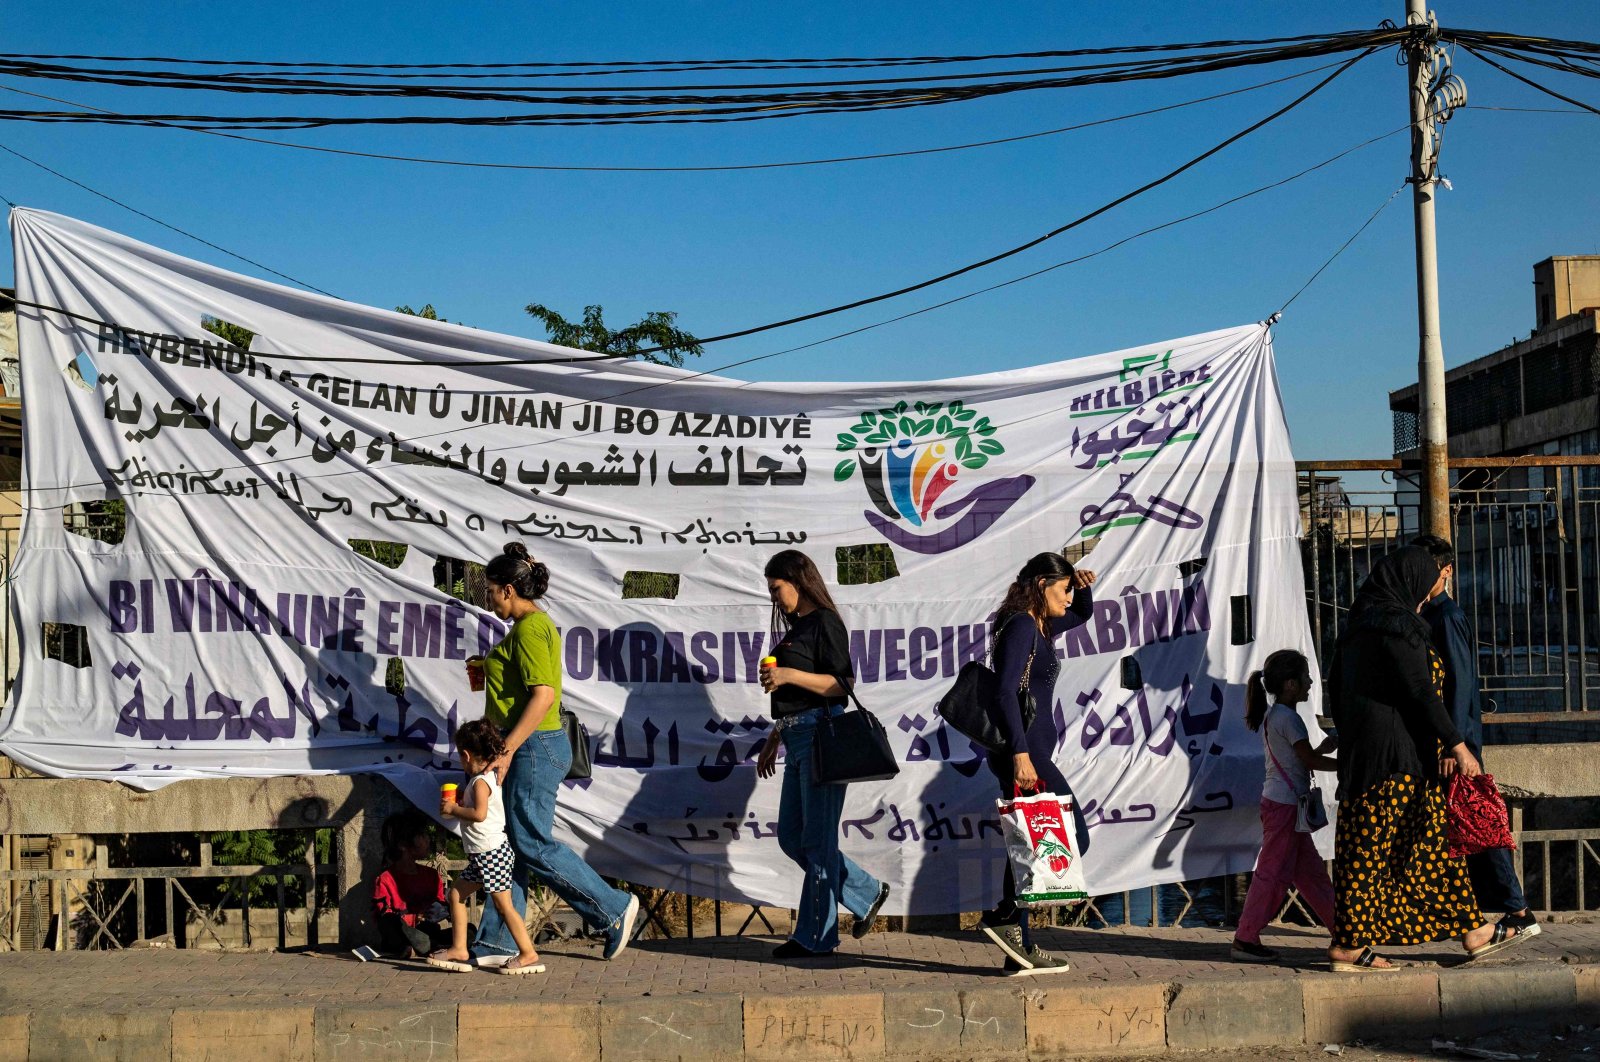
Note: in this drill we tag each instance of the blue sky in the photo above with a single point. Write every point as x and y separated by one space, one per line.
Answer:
728 250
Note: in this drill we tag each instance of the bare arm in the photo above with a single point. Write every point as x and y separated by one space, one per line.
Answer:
1312 760
480 804
533 713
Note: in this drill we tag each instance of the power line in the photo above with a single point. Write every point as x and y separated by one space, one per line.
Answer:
163 224
699 169
1342 247
631 64
655 107
884 296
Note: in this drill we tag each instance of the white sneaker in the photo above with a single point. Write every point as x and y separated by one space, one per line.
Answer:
624 930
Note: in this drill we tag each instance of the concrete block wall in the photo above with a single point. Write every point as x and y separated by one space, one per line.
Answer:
1036 1019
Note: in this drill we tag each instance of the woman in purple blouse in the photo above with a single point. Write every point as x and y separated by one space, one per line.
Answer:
1048 598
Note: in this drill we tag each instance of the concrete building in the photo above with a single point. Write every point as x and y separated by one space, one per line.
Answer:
1536 396
1527 538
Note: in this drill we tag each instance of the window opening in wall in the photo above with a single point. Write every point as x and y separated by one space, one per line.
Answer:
871 562
650 584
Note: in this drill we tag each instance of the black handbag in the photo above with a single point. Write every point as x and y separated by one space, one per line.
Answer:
972 706
578 738
851 747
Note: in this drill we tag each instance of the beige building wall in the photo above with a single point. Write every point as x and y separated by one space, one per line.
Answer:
1565 285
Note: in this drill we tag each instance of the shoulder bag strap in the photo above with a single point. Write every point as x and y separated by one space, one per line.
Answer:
1266 739
1027 669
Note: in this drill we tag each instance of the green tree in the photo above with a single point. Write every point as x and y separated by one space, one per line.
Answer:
656 330
427 313
238 335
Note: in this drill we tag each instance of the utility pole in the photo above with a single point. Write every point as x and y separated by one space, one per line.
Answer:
1435 93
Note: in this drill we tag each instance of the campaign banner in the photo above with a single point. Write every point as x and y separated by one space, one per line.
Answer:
301 512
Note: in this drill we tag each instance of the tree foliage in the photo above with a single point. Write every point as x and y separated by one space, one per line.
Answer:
427 313
238 335
656 330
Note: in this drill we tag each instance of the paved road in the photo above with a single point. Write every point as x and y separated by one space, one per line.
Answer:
166 978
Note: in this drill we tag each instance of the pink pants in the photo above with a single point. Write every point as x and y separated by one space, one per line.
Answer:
1287 858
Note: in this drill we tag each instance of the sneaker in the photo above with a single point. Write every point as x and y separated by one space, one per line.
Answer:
1009 940
1244 951
863 924
1041 962
621 935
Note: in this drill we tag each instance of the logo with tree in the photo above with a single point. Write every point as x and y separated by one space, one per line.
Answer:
910 455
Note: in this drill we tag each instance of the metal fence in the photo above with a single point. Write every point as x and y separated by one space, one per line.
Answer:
1527 536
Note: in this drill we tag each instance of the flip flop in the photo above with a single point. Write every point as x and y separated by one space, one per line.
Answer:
1361 964
1503 937
512 970
453 965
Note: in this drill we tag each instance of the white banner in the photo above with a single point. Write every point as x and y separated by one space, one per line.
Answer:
235 631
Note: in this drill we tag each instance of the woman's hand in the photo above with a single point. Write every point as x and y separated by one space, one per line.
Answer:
499 765
1465 761
773 677
1023 772
767 762
1082 579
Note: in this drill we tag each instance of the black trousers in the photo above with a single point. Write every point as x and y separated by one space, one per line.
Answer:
424 938
1041 747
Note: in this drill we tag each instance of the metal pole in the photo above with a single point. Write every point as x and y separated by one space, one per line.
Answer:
1422 67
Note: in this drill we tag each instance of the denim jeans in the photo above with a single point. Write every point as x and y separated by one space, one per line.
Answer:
532 782
808 833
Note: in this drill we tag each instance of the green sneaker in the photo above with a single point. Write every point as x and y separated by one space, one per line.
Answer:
1042 962
1009 940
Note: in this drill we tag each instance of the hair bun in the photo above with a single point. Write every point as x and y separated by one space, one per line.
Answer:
519 551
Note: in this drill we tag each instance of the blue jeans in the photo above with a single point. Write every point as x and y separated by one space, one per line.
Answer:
808 833
534 778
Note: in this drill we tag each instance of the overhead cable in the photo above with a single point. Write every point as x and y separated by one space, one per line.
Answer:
723 168
163 224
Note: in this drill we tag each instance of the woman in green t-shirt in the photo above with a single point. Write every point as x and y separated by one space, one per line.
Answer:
522 696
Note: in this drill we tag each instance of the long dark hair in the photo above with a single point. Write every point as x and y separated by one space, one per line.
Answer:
1283 666
797 569
516 569
1025 595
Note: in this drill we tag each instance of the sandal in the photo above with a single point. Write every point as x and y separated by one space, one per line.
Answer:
1503 937
512 969
453 965
1362 963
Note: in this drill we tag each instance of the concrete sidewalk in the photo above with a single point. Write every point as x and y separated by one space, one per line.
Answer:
929 996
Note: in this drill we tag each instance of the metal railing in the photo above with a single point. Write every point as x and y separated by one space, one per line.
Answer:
106 907
1527 536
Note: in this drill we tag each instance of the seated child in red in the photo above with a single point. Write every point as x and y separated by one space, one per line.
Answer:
409 895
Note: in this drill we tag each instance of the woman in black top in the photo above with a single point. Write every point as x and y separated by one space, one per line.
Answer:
813 664
1394 882
1048 598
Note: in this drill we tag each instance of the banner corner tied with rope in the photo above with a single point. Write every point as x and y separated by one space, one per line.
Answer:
297 587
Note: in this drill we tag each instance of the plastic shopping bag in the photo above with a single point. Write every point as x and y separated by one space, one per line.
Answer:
1042 845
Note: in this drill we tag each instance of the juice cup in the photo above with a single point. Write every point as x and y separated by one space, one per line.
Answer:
448 791
475 673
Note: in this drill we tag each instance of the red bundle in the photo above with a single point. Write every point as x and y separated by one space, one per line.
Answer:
1477 816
